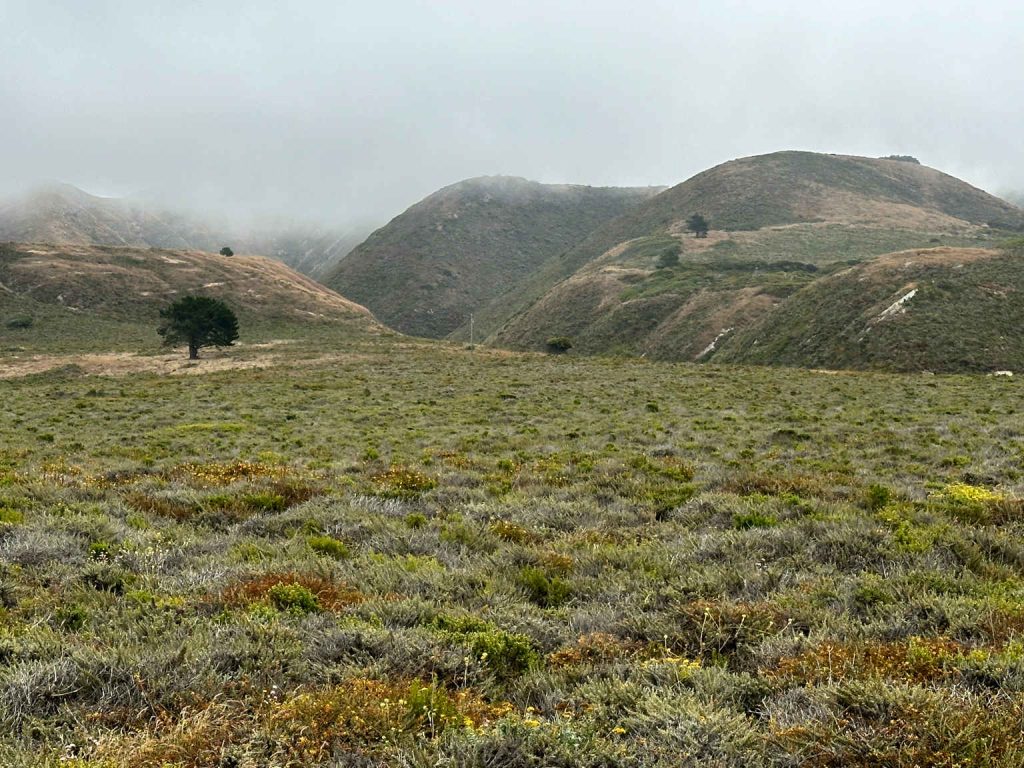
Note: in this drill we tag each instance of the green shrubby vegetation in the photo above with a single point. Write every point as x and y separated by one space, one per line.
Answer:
19 322
559 344
415 555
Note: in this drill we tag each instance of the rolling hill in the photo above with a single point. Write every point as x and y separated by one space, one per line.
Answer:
80 290
463 246
779 222
64 214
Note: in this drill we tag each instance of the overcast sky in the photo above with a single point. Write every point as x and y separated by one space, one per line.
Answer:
341 110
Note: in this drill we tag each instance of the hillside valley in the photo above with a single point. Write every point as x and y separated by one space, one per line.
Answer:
332 544
448 256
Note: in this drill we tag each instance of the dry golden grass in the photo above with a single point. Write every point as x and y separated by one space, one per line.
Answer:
120 281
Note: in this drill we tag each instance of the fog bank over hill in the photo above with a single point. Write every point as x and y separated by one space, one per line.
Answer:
64 214
1016 197
333 113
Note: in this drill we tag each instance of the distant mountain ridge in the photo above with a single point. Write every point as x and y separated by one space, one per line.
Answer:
446 257
63 214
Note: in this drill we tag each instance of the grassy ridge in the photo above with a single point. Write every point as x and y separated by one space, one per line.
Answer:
416 555
61 213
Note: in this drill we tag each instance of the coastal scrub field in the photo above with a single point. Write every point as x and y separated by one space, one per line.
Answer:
384 552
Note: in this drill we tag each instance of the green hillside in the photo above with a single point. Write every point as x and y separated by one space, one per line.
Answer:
942 309
463 246
779 223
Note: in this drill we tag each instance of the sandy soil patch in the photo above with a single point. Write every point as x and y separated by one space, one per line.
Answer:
170 364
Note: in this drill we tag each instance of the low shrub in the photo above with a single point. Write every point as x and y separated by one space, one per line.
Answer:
509 531
416 520
742 521
19 323
364 716
108 578
283 589
975 504
877 496
559 344
293 598
402 482
329 547
542 589
669 257
506 655
10 515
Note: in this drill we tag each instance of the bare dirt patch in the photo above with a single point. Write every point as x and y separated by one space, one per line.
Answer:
170 364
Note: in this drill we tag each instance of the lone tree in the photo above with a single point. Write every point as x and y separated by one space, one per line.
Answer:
559 345
669 257
698 225
198 321
225 251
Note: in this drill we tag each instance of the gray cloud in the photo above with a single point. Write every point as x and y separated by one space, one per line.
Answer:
342 110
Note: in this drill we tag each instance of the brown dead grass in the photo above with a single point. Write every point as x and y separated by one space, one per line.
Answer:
838 206
331 595
117 364
925 257
127 280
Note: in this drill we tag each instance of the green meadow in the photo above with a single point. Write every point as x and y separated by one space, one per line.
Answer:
371 551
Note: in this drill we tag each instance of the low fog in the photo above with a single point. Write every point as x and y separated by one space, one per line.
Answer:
342 111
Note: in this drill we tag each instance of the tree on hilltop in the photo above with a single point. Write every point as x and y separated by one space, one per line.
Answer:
225 251
198 321
698 225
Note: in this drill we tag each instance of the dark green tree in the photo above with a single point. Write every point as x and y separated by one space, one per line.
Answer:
669 257
225 251
698 225
198 321
559 344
